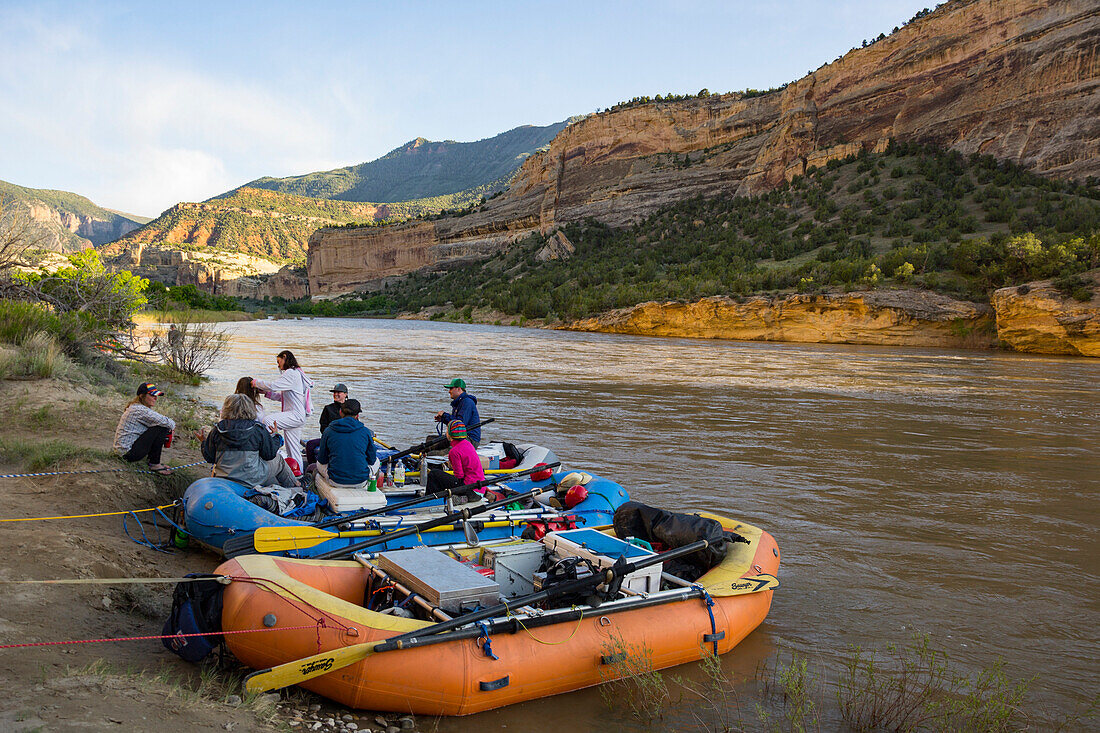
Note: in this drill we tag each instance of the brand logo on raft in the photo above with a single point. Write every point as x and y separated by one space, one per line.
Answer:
752 584
321 665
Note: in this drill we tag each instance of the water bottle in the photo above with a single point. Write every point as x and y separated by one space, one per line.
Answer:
399 474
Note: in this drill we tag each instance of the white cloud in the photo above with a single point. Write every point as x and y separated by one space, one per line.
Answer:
153 176
141 134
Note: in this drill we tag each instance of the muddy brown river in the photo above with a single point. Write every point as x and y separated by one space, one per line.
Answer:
947 493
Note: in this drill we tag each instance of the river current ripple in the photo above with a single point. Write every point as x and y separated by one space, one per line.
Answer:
911 490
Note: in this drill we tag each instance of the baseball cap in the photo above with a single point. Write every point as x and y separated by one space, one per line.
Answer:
148 388
340 387
456 383
351 407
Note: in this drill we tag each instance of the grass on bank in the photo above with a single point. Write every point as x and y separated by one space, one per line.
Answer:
915 688
196 315
37 454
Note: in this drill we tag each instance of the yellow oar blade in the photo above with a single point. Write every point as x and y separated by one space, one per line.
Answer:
300 670
281 539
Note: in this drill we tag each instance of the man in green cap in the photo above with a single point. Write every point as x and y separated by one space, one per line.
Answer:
464 408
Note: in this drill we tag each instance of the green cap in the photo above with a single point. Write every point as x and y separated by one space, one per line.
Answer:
456 383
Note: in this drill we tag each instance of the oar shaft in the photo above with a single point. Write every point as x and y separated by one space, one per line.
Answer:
436 495
464 515
428 444
592 581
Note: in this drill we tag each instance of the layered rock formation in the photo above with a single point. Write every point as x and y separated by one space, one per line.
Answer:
216 272
881 317
1037 318
89 230
1016 79
62 221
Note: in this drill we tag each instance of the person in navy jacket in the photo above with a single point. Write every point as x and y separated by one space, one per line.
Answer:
463 408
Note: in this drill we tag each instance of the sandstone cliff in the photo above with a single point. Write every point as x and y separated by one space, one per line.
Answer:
1017 79
216 272
1037 318
881 317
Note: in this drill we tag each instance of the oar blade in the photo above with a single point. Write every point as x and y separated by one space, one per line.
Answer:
239 545
282 539
300 670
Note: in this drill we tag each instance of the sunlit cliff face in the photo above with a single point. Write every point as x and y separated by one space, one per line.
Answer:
1009 79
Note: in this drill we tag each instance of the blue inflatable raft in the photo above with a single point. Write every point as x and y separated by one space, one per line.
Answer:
216 510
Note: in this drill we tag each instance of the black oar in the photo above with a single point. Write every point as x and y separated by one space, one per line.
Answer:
460 515
433 443
245 544
300 670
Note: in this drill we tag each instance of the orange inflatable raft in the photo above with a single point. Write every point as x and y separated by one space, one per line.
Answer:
520 655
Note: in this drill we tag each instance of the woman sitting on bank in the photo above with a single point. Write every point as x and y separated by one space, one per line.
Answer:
243 450
142 431
465 464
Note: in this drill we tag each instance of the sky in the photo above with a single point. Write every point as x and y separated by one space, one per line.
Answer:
141 105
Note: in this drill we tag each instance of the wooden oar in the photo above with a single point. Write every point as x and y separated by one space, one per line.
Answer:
283 539
460 515
245 544
298 671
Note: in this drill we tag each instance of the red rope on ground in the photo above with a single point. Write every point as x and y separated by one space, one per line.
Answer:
161 636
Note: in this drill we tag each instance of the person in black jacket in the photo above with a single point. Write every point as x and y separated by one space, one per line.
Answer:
243 450
330 413
332 410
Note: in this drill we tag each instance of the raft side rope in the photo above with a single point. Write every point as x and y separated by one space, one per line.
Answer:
83 516
223 579
158 636
548 643
96 470
487 645
710 610
322 619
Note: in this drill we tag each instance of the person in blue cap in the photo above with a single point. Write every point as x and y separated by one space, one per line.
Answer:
464 408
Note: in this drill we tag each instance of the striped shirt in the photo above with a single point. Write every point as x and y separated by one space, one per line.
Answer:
136 420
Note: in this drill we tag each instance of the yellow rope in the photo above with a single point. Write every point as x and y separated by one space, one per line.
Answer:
82 516
548 643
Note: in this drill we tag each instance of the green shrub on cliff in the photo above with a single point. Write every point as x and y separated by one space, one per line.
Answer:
928 225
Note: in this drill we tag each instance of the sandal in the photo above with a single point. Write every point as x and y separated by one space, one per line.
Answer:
161 470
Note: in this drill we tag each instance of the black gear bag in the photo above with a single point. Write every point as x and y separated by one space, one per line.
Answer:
196 609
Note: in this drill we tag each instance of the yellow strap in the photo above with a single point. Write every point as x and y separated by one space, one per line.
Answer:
81 516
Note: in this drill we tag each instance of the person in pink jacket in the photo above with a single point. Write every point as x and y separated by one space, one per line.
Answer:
292 390
465 464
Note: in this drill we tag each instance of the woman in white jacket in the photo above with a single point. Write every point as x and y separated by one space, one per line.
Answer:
292 390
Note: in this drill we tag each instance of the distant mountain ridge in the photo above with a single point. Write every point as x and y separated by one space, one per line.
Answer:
67 222
422 168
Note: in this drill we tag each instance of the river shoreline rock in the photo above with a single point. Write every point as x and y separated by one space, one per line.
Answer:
1038 319
1034 318
882 317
